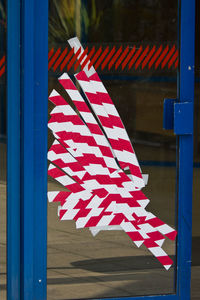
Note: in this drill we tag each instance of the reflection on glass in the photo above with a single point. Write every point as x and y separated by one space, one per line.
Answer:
109 265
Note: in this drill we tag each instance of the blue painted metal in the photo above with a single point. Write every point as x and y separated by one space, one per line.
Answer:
186 94
183 118
27 151
168 113
34 148
13 150
40 144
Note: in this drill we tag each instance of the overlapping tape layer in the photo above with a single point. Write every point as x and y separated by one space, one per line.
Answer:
93 158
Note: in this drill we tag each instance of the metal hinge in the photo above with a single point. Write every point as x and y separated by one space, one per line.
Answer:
178 116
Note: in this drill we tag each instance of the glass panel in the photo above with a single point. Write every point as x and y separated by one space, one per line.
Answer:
2 151
138 60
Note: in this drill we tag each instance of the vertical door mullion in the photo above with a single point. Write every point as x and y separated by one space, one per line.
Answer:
186 94
34 148
27 61
40 146
13 150
27 151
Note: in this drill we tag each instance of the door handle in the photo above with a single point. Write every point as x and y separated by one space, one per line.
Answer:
178 116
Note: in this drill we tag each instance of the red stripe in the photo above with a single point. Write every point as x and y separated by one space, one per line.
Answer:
121 58
67 84
77 138
87 59
55 172
171 235
135 236
134 57
80 58
62 197
94 77
71 52
2 70
61 118
94 128
94 58
57 100
75 187
174 57
176 63
141 57
114 57
62 213
138 195
73 59
50 53
81 106
93 221
161 57
165 260
121 144
97 98
155 222
117 220
155 235
54 58
2 60
128 58
148 57
168 57
60 59
111 121
101 58
155 57
135 170
108 58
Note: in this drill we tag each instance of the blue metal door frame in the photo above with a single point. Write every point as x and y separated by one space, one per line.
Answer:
27 69
27 82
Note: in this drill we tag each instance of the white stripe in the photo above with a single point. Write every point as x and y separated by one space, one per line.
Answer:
116 133
99 110
92 86
65 180
54 93
127 157
128 227
157 251
65 109
74 95
97 169
164 229
88 117
111 109
66 157
52 195
75 43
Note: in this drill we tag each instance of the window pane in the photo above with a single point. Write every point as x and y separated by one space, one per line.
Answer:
141 39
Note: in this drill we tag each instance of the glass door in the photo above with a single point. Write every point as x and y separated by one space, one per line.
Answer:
133 46
119 184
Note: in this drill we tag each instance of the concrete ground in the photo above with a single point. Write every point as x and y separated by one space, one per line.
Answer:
81 266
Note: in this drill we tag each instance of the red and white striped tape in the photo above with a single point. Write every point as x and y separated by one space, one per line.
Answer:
85 161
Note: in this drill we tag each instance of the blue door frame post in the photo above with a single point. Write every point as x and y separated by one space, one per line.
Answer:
27 148
27 58
185 185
